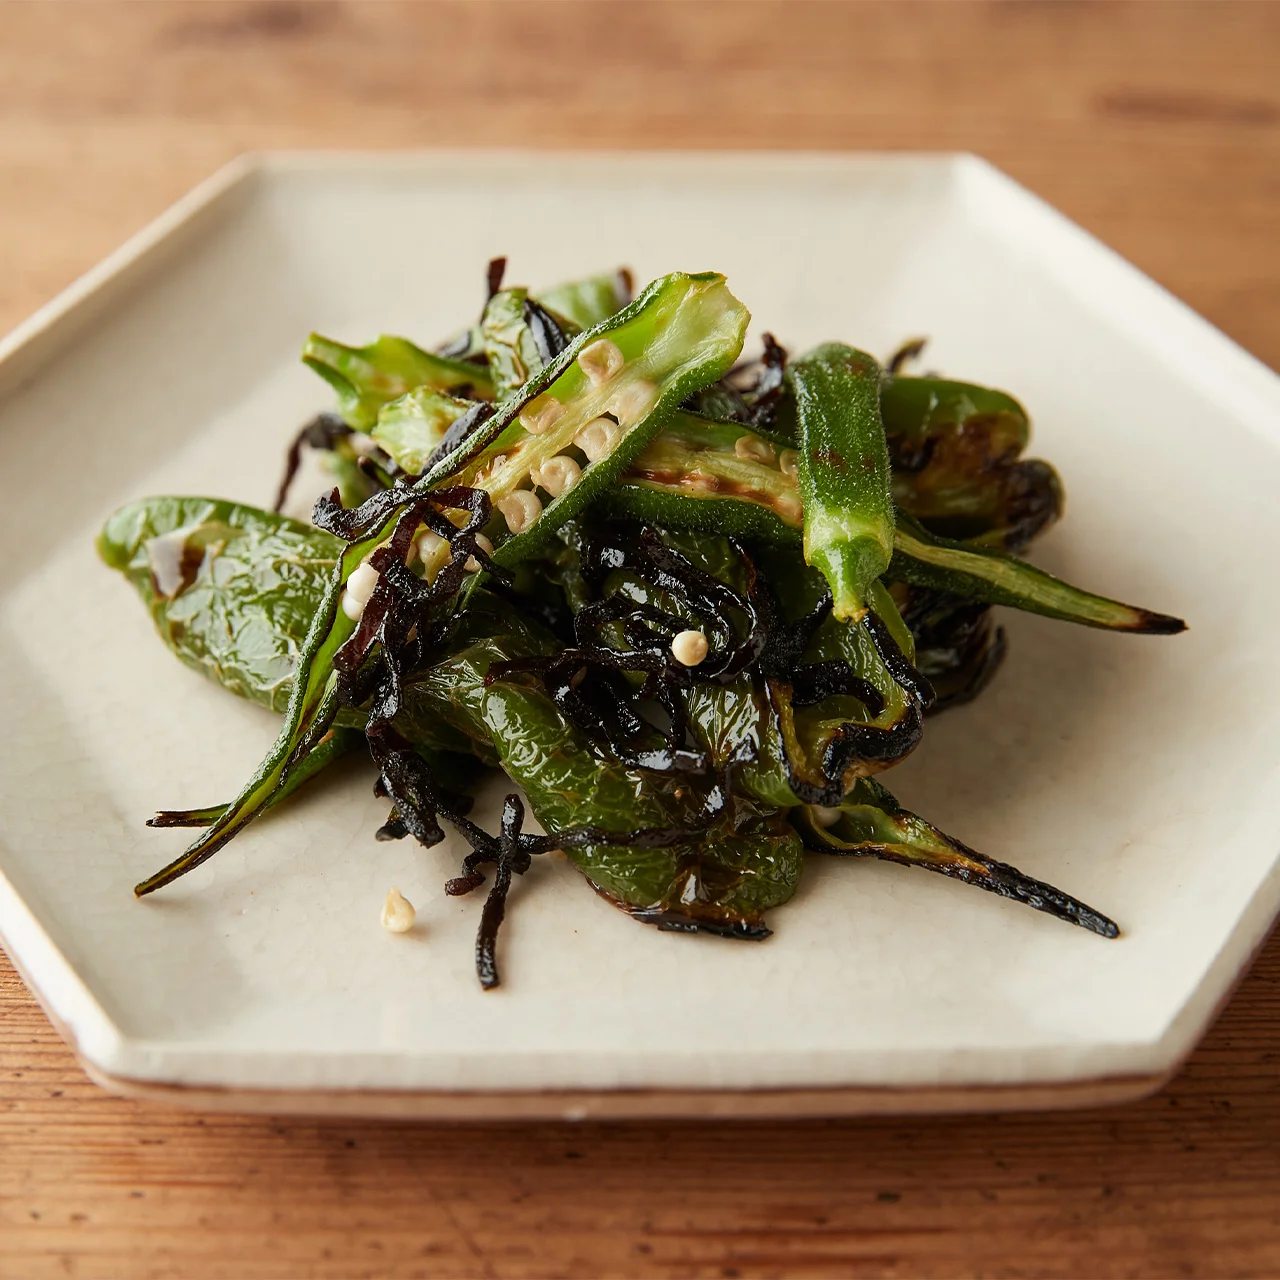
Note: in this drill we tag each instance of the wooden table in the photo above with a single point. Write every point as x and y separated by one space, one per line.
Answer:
1156 126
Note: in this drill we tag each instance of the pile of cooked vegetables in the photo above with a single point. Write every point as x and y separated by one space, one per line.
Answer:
690 604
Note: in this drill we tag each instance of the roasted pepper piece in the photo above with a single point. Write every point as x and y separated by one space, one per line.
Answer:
411 428
920 413
723 882
682 332
955 450
510 341
366 378
585 303
232 589
843 473
737 490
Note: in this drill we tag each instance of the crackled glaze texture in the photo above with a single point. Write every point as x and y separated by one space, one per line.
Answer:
1139 774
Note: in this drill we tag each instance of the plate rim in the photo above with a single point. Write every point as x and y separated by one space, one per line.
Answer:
1252 392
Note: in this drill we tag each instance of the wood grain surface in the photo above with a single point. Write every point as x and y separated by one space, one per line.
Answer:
1157 126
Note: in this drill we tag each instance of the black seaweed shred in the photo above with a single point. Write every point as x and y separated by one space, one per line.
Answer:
548 337
910 350
406 619
747 632
493 276
460 430
322 432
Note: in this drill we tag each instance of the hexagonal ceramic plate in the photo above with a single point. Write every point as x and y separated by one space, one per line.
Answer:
1137 773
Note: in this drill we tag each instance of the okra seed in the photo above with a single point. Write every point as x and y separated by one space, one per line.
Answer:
789 508
788 462
541 414
473 565
633 402
597 438
824 816
352 607
557 475
520 508
689 647
363 444
430 545
601 360
752 449
362 582
398 914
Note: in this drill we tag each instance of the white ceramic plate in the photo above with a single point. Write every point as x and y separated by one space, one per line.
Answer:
1137 773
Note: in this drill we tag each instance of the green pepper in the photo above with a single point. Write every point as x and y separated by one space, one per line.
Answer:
585 303
959 647
232 589
366 378
955 453
509 343
409 429
574 305
843 471
871 823
682 332
923 413
703 478
723 881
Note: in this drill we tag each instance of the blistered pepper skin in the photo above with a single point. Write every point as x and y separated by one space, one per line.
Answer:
232 589
682 332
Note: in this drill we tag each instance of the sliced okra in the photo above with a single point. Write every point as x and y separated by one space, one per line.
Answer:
698 479
597 405
843 471
681 333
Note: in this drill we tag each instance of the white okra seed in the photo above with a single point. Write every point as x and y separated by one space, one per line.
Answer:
363 444
633 402
541 414
601 360
352 607
364 578
753 449
788 462
430 544
398 914
689 647
521 508
824 816
557 475
597 438
789 508
473 565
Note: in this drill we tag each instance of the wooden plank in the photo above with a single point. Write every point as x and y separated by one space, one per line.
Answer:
1157 126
